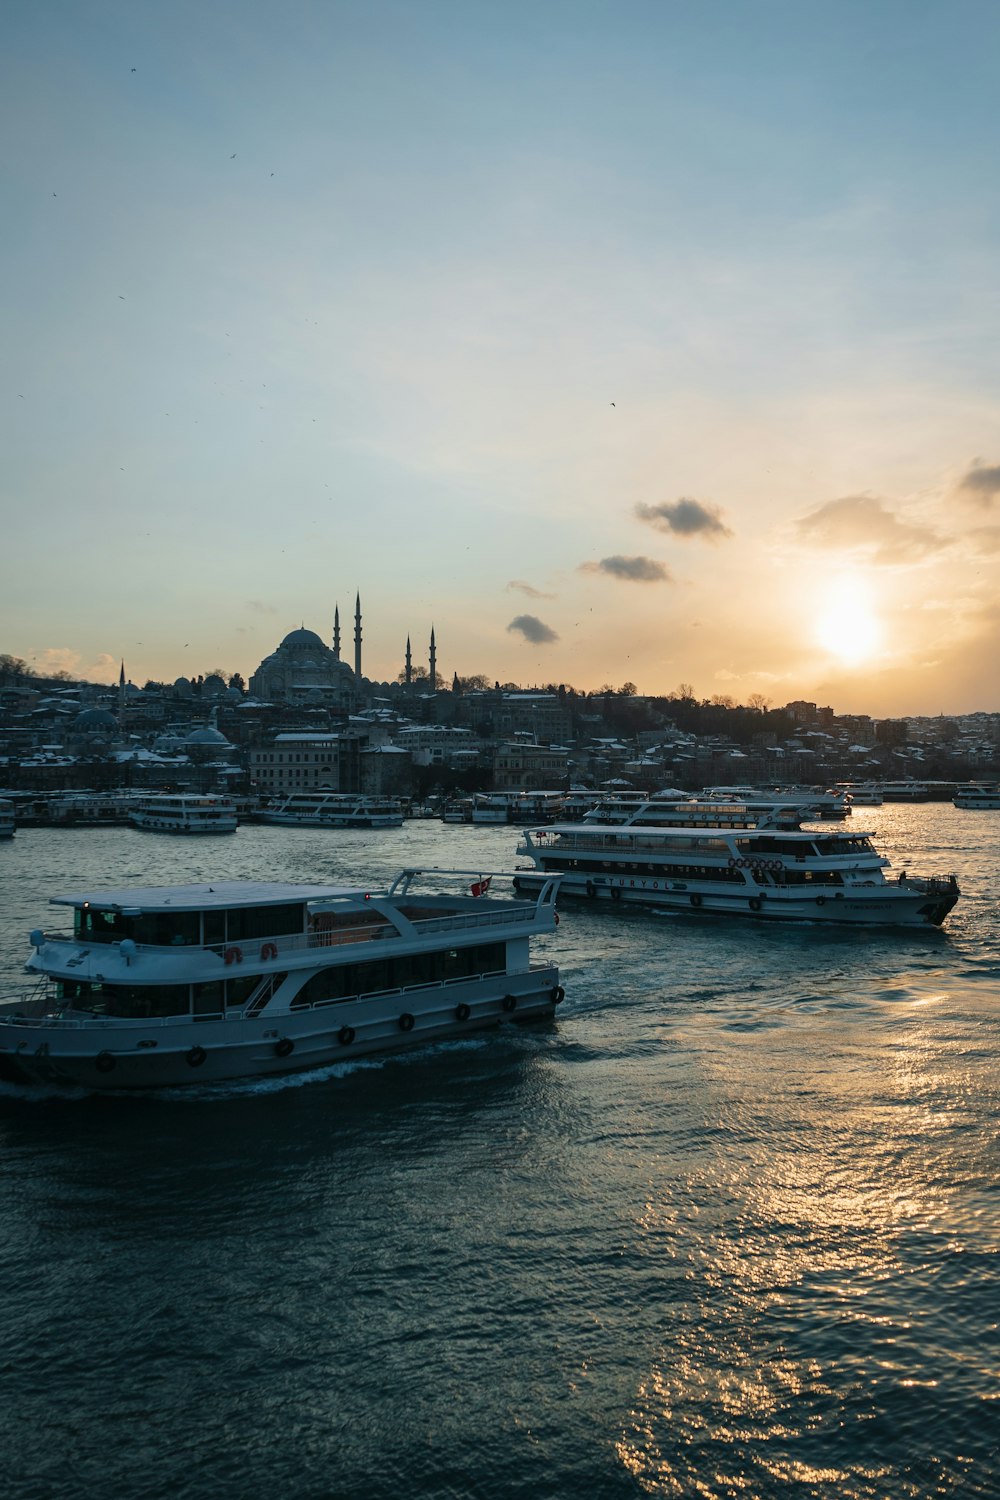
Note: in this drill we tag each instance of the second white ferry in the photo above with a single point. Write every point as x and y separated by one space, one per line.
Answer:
726 858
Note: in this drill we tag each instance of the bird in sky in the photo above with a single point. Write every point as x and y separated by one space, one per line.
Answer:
612 403
233 157
133 70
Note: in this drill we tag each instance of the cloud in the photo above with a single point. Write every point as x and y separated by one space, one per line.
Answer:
57 659
526 588
532 629
863 522
982 482
632 569
260 608
685 518
986 539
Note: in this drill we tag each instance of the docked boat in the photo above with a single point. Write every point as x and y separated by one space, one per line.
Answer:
7 824
335 810
819 803
861 793
184 812
977 797
733 859
170 985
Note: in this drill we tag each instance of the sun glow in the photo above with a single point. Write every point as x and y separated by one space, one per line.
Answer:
847 626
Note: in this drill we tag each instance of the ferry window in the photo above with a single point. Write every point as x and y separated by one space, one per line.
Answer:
251 922
238 991
145 1000
215 926
168 929
208 998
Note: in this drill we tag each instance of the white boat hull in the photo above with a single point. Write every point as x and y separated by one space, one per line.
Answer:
164 1054
899 905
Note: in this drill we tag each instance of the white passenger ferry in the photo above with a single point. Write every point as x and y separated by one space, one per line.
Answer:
168 985
729 858
7 824
335 810
184 812
977 797
819 803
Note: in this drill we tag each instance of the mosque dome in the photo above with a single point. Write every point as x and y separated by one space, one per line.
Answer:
213 686
206 736
95 721
303 637
304 670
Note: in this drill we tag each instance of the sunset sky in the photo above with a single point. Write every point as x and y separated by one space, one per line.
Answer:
634 341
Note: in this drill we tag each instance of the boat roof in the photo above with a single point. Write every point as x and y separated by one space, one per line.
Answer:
585 830
222 893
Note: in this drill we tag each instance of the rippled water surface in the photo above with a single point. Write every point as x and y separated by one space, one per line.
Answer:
729 1226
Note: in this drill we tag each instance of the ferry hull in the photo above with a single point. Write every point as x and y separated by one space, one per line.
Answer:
145 1055
876 906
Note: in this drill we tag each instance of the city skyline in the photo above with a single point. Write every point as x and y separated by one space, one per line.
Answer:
644 344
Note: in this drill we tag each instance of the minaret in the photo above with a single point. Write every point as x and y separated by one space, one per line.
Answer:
121 695
434 664
336 632
409 663
357 637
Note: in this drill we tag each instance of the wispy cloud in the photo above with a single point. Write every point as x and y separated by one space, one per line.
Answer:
631 569
685 518
982 482
864 523
527 588
260 608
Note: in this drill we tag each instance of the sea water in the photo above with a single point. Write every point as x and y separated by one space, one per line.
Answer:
728 1226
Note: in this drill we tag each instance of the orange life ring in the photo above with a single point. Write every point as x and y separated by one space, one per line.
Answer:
234 955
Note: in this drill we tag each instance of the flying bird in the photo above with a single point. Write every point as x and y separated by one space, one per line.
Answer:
233 157
133 70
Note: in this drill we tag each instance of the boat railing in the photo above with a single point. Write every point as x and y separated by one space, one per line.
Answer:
932 885
44 1010
281 944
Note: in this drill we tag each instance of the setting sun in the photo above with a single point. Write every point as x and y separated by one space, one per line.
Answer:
848 627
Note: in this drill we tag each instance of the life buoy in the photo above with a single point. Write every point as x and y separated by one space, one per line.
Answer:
755 903
557 995
616 894
462 1012
406 1021
732 862
105 1063
591 888
345 1036
509 1003
555 914
196 1056
695 899
234 955
269 950
284 1048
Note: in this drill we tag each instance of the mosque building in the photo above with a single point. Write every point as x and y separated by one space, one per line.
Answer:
304 670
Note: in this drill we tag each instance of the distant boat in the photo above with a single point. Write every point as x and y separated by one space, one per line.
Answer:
978 797
184 812
7 824
335 810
